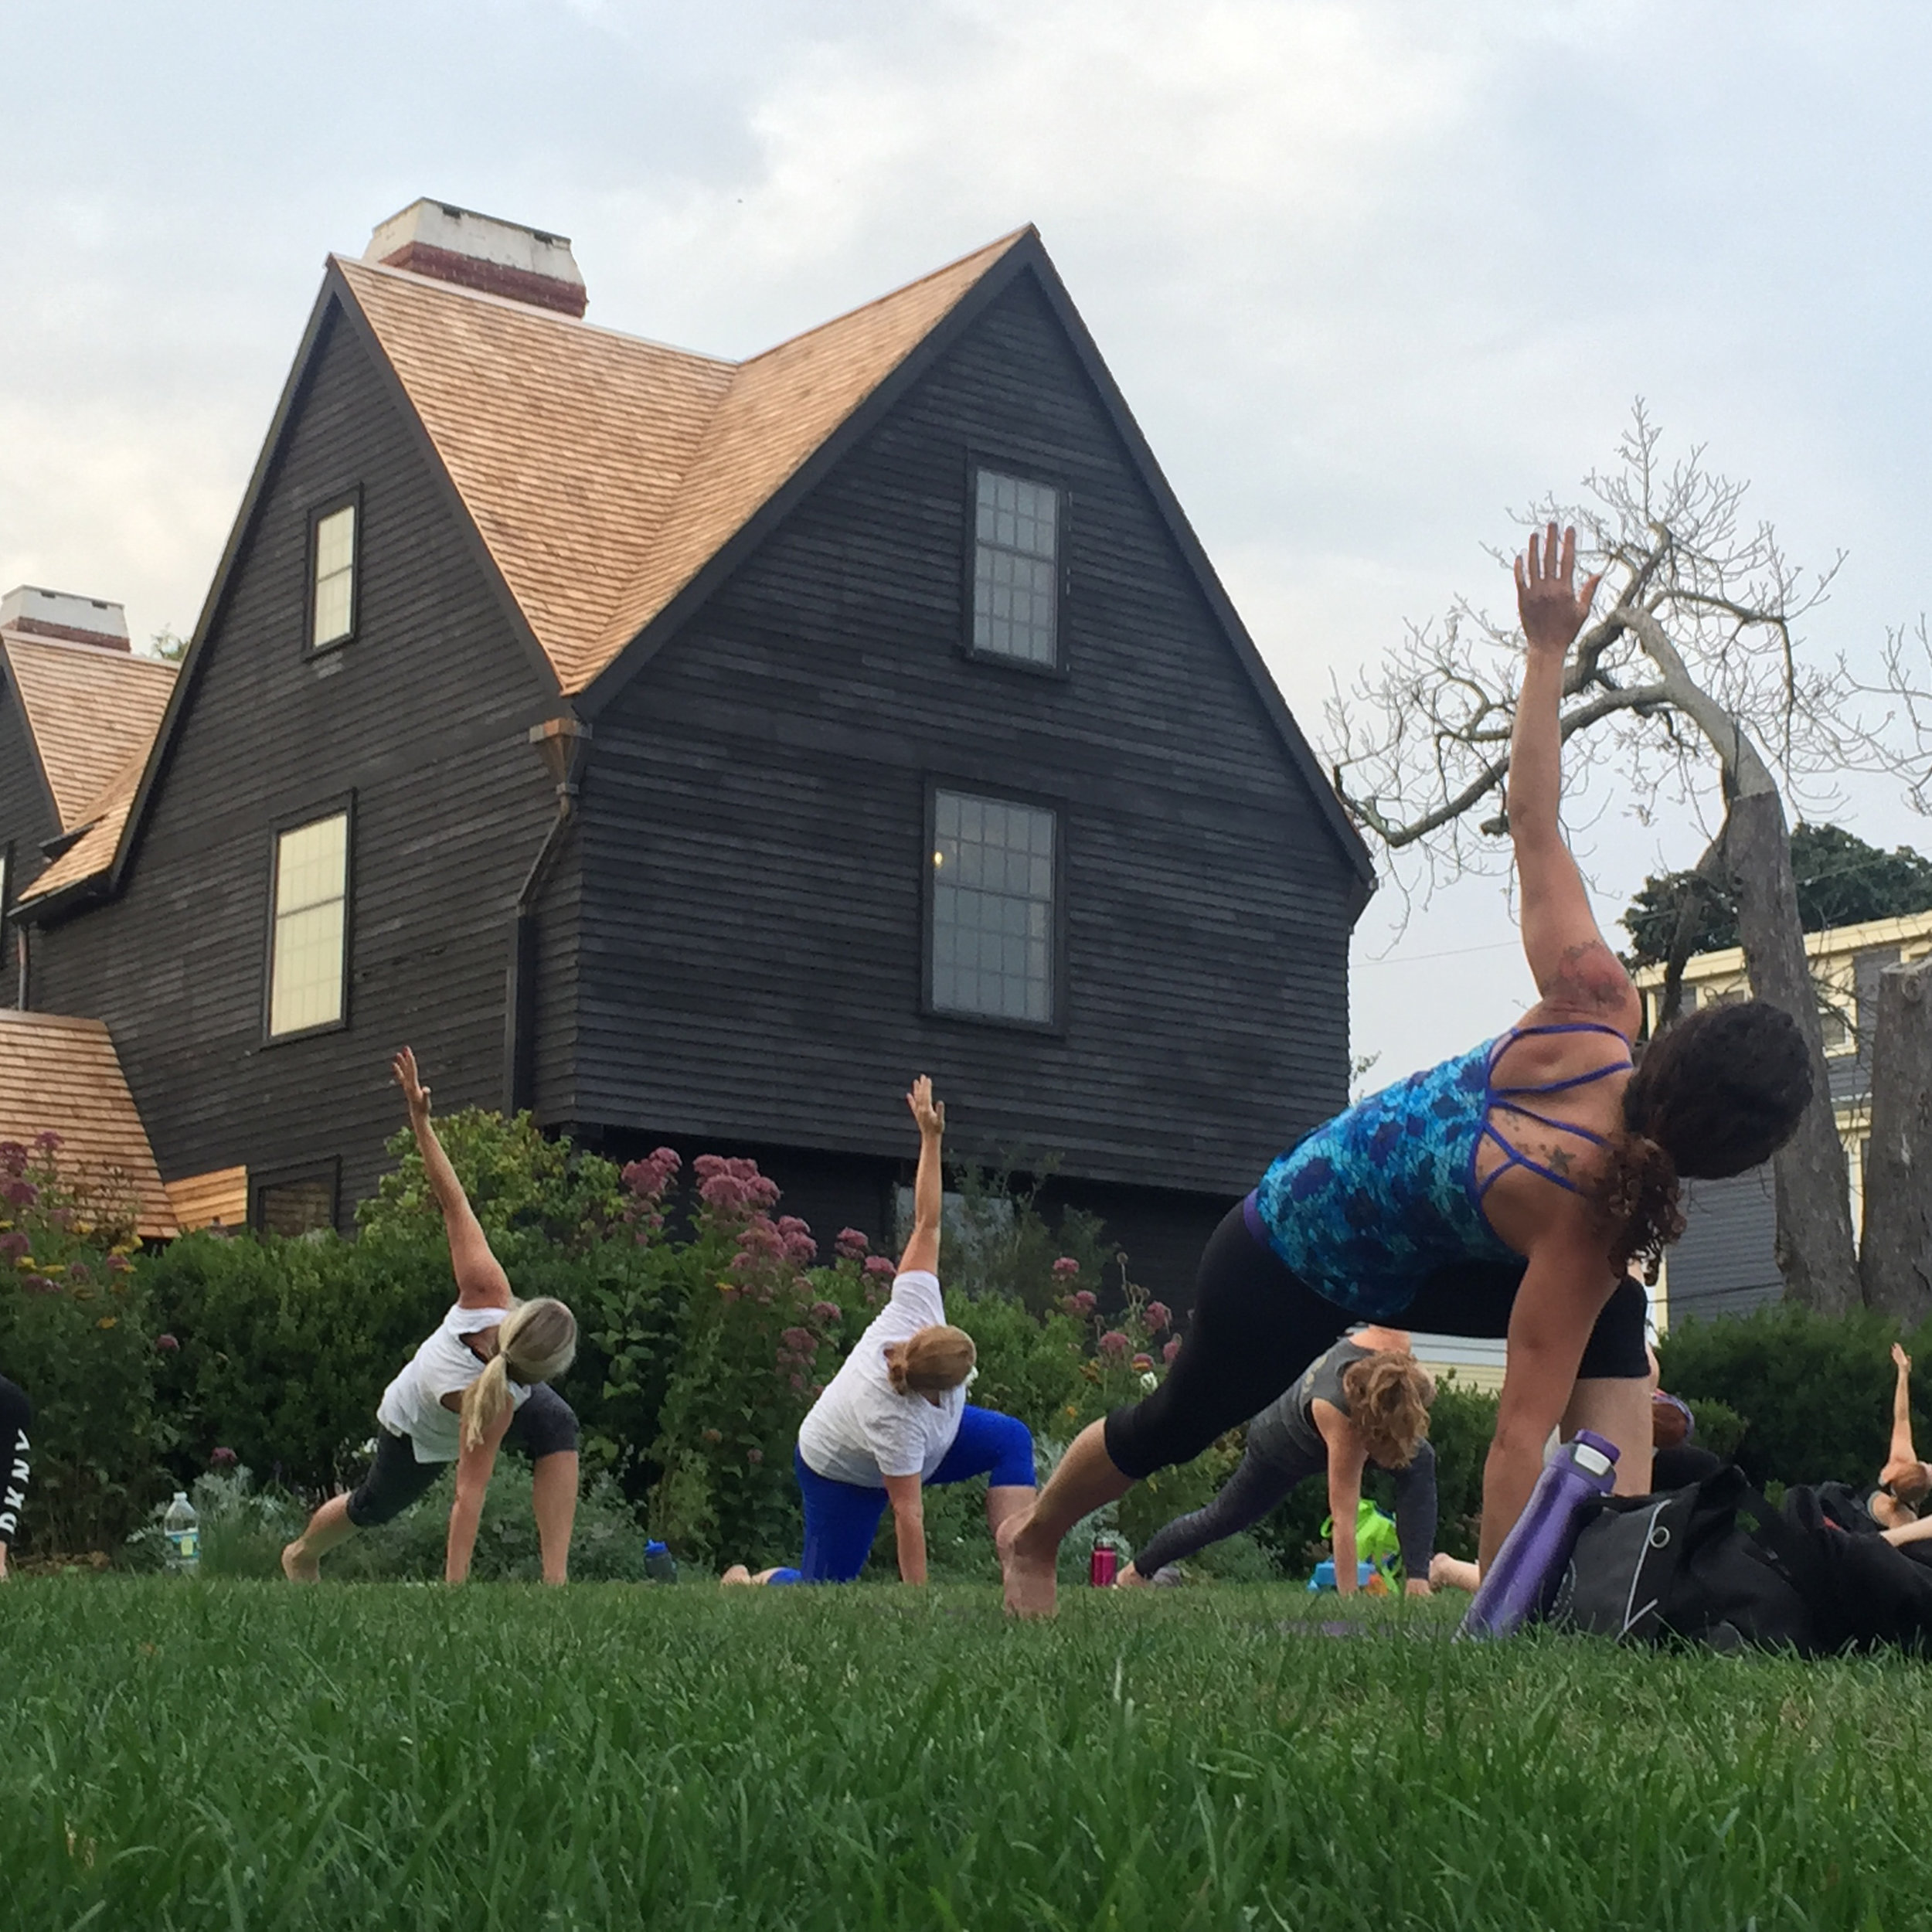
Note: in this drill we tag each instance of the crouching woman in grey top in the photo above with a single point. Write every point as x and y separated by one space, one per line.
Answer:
482 1377
1365 1400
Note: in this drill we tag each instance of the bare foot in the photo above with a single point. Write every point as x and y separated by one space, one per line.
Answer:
1450 1572
737 1573
1027 1566
298 1566
1131 1579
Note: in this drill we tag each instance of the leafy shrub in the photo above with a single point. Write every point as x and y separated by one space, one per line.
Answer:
76 1334
1720 1428
284 1346
1814 1391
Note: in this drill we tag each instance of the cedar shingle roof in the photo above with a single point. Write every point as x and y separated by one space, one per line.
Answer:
604 471
63 1076
90 711
93 851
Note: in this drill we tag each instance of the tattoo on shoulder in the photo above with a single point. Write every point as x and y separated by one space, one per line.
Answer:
1562 1160
1593 975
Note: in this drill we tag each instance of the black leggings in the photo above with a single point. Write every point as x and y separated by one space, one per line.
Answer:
16 1413
1268 1472
1256 1326
544 1426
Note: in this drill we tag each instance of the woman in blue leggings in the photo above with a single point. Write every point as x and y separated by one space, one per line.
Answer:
896 1418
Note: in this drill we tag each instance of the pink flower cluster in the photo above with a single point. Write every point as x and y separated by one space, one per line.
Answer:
1170 1348
880 1267
13 1244
797 1350
1158 1316
851 1245
730 1187
649 1180
1084 1303
826 1312
1114 1343
1066 1268
18 1193
13 1158
224 1459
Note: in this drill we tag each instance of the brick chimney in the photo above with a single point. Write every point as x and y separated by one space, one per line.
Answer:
29 611
478 251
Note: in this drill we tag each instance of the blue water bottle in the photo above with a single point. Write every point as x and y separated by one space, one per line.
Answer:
660 1566
1518 1582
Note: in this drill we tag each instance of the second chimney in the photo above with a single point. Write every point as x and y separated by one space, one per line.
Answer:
478 251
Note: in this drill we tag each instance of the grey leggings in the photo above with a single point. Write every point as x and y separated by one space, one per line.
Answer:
1273 1464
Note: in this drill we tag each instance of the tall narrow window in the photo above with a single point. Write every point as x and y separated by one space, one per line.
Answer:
335 594
993 908
307 960
1015 569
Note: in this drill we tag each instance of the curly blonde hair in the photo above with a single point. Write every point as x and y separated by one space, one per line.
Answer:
1388 1396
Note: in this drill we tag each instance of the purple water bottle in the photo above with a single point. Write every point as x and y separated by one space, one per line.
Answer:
1532 1555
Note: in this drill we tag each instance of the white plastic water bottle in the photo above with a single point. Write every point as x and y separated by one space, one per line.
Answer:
182 1528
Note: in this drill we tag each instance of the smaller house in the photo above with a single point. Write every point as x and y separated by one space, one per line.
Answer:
1726 1263
61 1076
78 714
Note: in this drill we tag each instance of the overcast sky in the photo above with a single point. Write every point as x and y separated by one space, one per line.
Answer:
1370 274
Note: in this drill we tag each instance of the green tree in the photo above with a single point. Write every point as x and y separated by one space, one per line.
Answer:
1841 880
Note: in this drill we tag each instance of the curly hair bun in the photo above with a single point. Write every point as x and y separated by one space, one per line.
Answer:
1722 1089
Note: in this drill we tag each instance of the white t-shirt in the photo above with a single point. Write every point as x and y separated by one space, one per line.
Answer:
860 1430
412 1404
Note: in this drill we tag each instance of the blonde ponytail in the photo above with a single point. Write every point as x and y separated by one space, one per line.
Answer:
537 1343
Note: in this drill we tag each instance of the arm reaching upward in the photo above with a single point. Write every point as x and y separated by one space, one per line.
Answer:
480 1282
1903 1459
922 1250
1574 968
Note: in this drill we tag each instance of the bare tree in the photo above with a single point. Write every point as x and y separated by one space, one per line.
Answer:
1694 672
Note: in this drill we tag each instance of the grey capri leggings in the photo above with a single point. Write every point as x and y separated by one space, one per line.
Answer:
1274 1464
1256 1325
543 1427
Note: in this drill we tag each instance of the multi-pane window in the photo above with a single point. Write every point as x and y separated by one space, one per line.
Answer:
335 594
992 908
294 1207
1015 569
311 899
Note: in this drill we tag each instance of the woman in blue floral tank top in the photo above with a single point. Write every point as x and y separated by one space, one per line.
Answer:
1507 1191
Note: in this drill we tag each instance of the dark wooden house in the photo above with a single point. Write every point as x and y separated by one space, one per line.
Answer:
692 751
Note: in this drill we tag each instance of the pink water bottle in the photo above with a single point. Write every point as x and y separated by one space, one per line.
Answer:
1104 1566
1525 1570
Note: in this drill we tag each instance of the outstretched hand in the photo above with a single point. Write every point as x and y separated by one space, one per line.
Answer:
415 1096
1553 611
1901 1358
930 1113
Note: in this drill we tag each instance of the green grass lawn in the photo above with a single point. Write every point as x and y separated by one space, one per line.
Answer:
244 1756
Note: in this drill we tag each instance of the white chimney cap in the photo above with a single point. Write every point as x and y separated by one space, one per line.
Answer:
33 612
457 244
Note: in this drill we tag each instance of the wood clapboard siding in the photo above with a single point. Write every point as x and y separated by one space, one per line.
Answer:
26 819
422 718
754 832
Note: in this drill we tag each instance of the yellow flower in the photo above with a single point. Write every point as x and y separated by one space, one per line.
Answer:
108 1321
27 1262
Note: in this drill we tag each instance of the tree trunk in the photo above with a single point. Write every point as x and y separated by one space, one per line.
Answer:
1814 1249
1896 1259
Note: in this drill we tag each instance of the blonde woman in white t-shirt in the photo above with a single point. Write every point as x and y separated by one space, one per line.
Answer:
483 1376
895 1418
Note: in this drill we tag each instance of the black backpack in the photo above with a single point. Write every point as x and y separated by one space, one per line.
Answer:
1715 1564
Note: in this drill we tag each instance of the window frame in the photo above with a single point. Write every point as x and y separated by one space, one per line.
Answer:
977 460
348 499
342 806
328 1170
1055 1026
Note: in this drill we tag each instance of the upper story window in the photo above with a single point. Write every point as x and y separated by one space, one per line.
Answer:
309 955
1016 569
993 908
332 598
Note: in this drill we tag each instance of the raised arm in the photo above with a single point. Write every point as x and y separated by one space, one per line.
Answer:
1572 967
480 1282
922 1250
1903 1459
